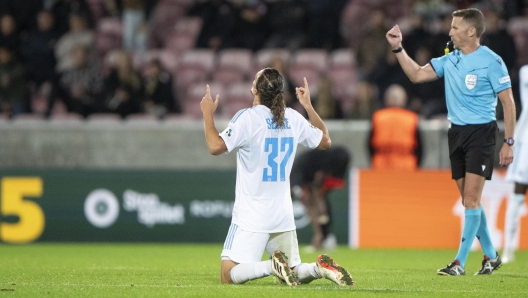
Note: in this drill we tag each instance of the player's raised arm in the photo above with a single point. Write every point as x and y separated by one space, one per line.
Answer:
415 72
215 143
303 94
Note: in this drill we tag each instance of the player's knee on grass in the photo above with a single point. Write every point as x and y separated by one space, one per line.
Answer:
225 271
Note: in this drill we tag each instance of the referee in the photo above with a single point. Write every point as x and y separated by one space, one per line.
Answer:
474 77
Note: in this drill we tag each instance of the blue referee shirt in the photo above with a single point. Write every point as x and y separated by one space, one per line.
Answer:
472 82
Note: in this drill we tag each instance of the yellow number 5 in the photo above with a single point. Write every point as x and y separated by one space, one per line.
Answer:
31 218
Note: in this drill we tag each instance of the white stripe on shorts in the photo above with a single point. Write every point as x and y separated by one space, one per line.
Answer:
230 235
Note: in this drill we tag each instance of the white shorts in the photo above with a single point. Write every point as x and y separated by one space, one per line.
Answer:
247 247
518 170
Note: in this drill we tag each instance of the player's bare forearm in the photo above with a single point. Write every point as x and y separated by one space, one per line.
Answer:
215 143
303 94
318 122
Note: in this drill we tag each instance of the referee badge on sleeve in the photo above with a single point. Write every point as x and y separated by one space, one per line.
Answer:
471 81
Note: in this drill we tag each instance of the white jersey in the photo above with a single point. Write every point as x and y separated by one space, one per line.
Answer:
518 170
264 161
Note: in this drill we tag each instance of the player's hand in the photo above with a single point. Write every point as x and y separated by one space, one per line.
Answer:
394 37
207 105
303 94
506 155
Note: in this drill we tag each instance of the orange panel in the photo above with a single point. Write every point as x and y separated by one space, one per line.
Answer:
416 210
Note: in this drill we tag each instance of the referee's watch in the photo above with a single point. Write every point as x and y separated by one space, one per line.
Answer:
509 141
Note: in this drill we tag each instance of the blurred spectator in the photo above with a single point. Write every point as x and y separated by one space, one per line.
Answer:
374 45
159 92
394 141
219 20
499 40
9 37
78 35
324 20
289 89
387 72
250 31
417 37
365 103
62 9
24 11
123 87
38 49
427 99
13 84
441 37
287 21
326 105
81 86
135 15
432 10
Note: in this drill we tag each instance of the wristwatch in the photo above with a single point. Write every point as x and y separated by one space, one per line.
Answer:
509 141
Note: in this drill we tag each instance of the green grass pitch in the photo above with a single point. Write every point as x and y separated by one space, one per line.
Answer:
192 270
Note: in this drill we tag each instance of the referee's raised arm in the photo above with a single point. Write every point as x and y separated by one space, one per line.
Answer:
415 72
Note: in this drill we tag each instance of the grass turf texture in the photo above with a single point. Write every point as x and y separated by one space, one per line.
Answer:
164 270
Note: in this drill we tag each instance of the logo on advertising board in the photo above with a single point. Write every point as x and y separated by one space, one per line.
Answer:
101 209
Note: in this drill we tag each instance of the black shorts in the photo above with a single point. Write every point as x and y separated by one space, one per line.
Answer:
472 149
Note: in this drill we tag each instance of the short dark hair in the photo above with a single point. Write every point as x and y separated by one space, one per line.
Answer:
473 17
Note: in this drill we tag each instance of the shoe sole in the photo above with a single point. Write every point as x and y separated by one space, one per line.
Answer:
447 274
282 270
340 275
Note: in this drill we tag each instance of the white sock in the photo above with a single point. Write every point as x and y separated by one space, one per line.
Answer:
513 211
307 272
249 271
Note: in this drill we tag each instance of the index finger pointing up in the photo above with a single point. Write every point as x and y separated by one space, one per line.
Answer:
305 83
207 90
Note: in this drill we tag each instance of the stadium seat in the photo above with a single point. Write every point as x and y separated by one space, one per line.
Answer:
239 92
196 92
239 59
187 76
169 60
179 43
228 76
311 57
204 59
263 57
342 77
189 25
297 73
342 57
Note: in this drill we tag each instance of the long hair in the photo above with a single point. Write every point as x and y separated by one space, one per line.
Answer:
269 86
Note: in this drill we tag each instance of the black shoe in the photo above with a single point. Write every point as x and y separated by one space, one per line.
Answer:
452 269
490 265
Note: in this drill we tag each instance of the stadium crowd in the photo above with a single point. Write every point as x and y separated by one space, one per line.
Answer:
148 58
